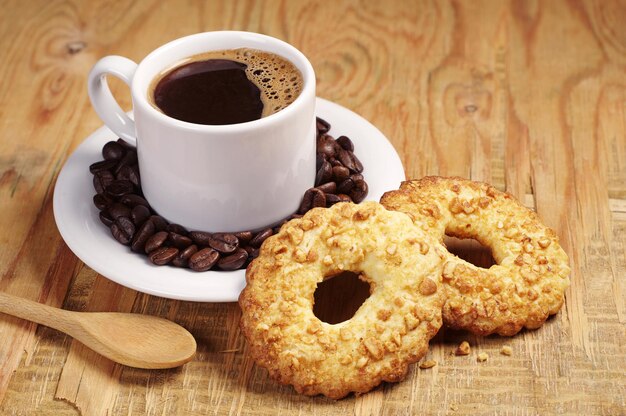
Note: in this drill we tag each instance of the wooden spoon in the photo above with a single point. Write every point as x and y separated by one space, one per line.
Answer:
135 340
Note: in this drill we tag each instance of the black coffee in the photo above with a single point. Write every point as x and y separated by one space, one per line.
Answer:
227 87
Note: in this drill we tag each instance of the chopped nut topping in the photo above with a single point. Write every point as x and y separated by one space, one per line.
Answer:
511 232
346 359
391 249
544 242
427 287
391 346
506 350
455 206
482 357
306 225
463 348
468 208
383 314
448 270
295 234
483 202
362 362
411 322
300 255
428 364
396 338
374 347
345 334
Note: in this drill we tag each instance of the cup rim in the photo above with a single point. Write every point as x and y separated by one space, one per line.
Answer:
140 97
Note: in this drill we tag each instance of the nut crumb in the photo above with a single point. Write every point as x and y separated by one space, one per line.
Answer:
506 350
428 364
463 348
482 357
454 407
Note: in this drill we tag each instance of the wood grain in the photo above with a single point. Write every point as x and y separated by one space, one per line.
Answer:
529 95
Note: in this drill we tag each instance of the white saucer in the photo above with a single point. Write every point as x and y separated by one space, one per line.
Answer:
79 225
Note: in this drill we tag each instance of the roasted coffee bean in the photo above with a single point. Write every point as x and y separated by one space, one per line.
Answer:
113 151
119 188
324 174
340 173
359 192
179 241
253 252
322 126
332 199
319 159
224 243
259 237
349 160
233 261
127 146
163 255
129 159
124 173
123 230
117 210
200 237
102 165
159 222
156 241
101 180
182 259
101 202
134 176
307 201
177 228
133 200
345 143
139 214
319 199
334 162
328 187
106 219
244 237
142 235
344 198
326 144
357 177
204 259
345 186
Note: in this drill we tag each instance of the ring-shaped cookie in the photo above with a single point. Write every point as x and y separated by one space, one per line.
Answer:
391 329
528 282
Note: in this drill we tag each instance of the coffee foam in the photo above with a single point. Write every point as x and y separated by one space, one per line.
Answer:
278 79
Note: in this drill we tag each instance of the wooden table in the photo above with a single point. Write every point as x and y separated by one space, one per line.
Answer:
528 95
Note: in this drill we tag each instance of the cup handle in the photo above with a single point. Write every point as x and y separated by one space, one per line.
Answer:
103 101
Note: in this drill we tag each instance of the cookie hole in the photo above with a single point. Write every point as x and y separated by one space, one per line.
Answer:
339 297
470 250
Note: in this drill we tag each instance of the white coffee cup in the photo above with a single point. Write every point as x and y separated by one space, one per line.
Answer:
214 177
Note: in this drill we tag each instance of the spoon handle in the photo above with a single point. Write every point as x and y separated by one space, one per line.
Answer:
37 312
